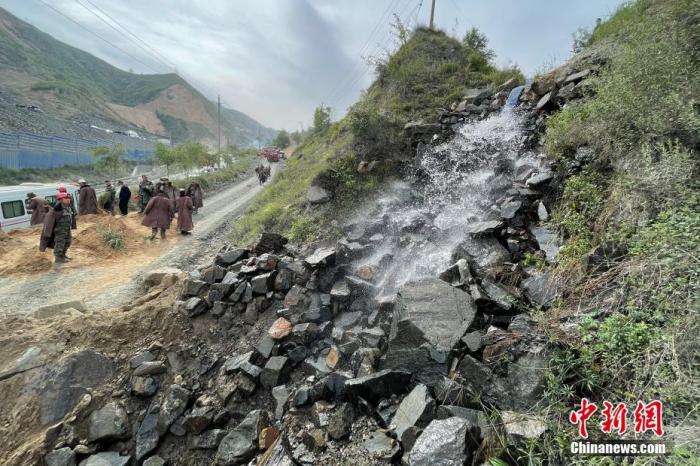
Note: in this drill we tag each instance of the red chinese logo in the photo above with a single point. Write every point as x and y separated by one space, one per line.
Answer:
647 417
582 416
615 419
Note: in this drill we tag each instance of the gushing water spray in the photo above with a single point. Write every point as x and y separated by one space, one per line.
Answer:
457 185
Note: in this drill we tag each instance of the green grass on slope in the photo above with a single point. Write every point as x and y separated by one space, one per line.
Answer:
639 328
428 72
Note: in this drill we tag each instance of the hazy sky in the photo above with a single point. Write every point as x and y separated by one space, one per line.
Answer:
276 60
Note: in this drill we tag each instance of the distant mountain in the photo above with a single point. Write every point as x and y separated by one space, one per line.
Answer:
49 87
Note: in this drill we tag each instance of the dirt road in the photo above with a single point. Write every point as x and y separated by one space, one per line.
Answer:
110 281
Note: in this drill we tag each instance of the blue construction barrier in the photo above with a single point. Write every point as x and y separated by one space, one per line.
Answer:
26 150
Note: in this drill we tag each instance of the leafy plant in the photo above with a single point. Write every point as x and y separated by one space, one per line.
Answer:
110 158
113 239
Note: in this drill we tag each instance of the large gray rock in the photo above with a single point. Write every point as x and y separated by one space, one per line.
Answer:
485 228
476 96
520 427
263 283
538 289
230 257
417 409
195 306
147 436
428 320
242 363
504 301
241 444
547 242
340 421
380 446
519 387
154 461
155 277
207 440
150 368
277 455
108 423
457 274
321 257
270 242
143 386
107 458
198 419
61 457
275 372
576 77
173 405
378 385
318 195
50 310
442 443
487 255
65 383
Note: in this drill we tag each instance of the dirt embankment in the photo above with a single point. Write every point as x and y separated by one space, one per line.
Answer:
20 255
36 347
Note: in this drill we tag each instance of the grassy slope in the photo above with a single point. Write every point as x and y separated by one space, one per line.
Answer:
77 75
639 325
429 71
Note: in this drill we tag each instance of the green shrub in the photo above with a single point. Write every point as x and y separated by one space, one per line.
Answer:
533 260
576 212
639 336
302 229
113 239
647 93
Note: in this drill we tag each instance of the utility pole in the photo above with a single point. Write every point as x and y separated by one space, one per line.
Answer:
218 133
432 14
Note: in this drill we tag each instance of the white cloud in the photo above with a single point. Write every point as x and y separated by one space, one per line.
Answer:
276 60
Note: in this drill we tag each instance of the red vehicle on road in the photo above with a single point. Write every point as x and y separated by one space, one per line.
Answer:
272 154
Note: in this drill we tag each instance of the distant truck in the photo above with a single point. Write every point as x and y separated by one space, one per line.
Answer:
272 154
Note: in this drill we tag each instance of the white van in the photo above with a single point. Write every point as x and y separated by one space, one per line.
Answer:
14 213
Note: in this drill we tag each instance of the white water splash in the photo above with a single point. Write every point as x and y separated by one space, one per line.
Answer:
459 182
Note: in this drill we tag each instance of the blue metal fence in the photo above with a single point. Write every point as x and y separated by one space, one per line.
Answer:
27 150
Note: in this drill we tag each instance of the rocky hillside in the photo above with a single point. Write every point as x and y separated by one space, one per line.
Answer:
504 263
335 169
74 90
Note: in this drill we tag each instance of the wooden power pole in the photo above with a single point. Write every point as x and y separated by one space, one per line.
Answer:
218 132
432 14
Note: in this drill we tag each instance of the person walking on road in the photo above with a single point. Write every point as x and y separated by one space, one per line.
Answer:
111 196
195 192
158 215
170 191
124 197
145 192
58 224
184 207
87 198
38 206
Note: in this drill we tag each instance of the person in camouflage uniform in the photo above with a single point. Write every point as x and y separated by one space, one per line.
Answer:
146 190
58 224
111 197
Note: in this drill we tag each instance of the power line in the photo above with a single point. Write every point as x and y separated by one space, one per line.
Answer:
120 32
358 70
376 49
365 46
158 54
97 35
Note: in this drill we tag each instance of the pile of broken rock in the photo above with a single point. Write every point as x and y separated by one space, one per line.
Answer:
296 360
